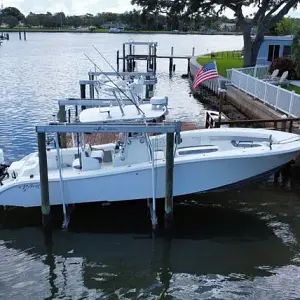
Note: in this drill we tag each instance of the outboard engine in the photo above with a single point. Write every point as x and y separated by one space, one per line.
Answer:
3 167
1 157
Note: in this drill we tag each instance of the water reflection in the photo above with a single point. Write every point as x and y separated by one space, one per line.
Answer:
216 249
242 244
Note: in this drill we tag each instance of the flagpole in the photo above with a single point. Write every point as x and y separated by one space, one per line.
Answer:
219 85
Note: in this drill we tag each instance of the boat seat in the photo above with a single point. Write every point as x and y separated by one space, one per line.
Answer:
87 150
87 164
103 110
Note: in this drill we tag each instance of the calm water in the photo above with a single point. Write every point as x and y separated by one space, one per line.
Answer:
236 245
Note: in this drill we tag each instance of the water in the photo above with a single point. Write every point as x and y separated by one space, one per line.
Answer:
236 245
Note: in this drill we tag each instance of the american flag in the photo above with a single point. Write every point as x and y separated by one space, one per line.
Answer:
207 72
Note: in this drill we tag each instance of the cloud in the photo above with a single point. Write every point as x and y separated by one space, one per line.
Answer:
70 7
81 7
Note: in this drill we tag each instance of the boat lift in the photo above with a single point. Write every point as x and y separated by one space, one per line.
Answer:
149 82
171 129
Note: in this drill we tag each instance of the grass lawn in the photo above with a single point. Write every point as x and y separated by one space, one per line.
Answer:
225 60
292 87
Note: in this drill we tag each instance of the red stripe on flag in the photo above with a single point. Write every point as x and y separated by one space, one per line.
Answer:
202 76
206 76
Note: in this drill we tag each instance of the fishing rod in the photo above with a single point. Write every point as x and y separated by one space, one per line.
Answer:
111 66
114 84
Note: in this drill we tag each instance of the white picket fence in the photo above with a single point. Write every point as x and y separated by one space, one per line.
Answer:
258 71
283 100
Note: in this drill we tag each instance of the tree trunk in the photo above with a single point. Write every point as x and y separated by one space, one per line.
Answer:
251 47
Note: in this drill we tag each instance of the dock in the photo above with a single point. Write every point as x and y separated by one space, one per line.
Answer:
130 57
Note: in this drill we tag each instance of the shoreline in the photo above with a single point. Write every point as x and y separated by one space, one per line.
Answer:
106 31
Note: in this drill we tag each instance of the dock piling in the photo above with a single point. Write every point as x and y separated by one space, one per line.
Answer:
44 184
222 96
62 119
118 58
171 61
123 58
169 180
154 59
83 94
193 51
92 88
25 37
20 35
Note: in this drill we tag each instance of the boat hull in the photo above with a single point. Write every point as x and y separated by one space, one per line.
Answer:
133 183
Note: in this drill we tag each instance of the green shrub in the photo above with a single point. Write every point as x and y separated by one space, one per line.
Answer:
284 64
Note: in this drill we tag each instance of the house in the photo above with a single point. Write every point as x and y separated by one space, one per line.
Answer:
227 26
273 47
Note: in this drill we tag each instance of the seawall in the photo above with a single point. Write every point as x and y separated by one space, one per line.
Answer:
246 104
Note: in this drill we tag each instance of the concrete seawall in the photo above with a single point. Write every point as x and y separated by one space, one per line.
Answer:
246 104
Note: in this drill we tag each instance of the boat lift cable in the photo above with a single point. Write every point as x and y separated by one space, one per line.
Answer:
138 108
111 66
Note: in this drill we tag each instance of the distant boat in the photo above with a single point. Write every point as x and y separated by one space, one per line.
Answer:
115 30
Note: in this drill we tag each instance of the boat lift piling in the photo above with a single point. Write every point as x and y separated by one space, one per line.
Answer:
83 93
171 65
170 128
45 203
61 116
92 87
169 180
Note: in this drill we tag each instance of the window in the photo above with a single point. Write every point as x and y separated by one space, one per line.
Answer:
287 50
273 52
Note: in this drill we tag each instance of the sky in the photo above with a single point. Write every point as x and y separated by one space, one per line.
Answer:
81 7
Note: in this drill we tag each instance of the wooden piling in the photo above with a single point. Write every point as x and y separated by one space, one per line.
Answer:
169 180
83 94
189 67
154 59
20 35
193 51
124 54
62 119
92 89
149 89
25 38
171 61
129 60
221 100
44 184
118 63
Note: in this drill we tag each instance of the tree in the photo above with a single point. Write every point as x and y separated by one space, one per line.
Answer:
286 26
75 21
13 12
11 21
268 13
296 51
32 20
